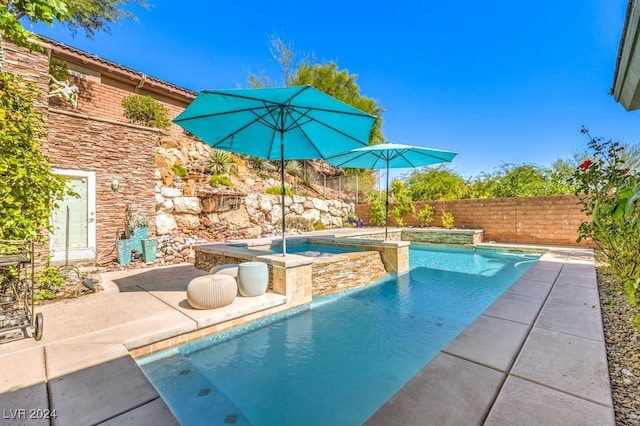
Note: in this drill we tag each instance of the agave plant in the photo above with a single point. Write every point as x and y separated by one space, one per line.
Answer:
220 162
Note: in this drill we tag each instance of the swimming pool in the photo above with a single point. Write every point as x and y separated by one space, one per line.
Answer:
340 360
316 250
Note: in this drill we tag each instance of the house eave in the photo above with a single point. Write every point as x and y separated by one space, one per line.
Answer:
117 71
626 80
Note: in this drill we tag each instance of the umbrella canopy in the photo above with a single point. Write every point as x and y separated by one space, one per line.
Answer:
388 156
288 123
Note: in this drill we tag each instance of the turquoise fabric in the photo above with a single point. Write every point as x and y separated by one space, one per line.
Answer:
390 155
312 124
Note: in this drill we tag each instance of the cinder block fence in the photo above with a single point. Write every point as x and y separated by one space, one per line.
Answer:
527 220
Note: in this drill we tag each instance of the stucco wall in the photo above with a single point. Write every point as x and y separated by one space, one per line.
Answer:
529 220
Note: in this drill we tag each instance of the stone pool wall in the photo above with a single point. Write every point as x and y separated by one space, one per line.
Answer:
346 271
443 236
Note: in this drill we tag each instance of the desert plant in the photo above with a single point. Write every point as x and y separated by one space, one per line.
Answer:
309 176
179 170
146 111
447 220
217 180
221 162
294 168
425 216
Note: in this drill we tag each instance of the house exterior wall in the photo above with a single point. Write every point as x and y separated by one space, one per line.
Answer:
527 220
95 137
113 151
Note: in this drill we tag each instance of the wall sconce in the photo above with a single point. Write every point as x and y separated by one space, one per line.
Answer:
115 184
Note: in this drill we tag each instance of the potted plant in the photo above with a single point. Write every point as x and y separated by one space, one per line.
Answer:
137 228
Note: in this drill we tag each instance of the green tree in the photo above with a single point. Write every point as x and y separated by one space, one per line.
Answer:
90 15
524 180
30 189
341 85
435 183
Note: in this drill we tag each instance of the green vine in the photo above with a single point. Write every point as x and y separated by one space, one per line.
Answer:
30 190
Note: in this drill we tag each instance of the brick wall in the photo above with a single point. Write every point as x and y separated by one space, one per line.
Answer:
100 96
529 220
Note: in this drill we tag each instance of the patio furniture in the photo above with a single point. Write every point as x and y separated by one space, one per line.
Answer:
230 269
211 291
253 278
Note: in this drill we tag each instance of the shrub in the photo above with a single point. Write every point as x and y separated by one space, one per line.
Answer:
447 220
377 215
48 282
425 216
217 180
275 190
179 170
318 226
146 111
299 223
610 191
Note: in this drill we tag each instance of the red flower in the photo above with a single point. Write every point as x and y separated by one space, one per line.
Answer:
624 171
585 164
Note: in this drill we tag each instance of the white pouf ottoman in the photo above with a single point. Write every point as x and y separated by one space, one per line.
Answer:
230 269
253 278
211 291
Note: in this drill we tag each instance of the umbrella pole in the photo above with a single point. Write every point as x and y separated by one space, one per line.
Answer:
386 206
282 192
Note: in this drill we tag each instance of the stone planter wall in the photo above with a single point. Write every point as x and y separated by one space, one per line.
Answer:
346 271
443 236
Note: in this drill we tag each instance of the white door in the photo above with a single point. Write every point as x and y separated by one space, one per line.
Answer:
74 221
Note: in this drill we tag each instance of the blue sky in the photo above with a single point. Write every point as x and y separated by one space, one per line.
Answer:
498 82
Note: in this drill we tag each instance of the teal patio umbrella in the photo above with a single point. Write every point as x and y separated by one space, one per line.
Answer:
288 123
389 156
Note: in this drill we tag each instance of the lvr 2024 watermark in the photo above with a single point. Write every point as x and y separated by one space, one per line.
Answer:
28 413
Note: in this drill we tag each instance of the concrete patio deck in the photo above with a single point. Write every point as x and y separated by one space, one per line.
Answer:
536 356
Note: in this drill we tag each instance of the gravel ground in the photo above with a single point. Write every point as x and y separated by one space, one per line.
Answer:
623 349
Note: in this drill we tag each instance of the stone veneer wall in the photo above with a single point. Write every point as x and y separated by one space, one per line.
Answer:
527 220
81 142
442 236
346 271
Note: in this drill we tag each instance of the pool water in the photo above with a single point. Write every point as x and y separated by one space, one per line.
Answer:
339 361
316 250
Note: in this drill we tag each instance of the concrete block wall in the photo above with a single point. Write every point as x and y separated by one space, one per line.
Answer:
528 220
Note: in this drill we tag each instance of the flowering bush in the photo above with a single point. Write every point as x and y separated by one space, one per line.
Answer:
610 191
